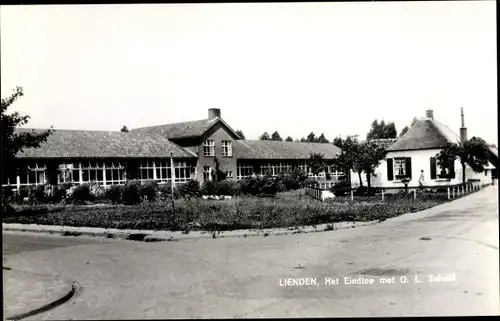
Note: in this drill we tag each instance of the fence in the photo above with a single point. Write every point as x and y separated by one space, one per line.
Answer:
317 192
451 191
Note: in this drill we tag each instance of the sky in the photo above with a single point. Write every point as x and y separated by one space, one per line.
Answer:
330 68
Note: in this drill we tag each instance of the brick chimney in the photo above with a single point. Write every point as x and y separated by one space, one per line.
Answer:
213 113
463 130
429 114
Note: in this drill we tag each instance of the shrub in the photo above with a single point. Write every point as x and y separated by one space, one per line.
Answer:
37 195
290 181
148 190
131 193
165 191
189 189
7 193
269 186
226 187
341 188
58 194
81 194
208 188
97 191
114 194
309 181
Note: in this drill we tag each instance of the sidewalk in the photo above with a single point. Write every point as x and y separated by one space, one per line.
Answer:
26 294
157 236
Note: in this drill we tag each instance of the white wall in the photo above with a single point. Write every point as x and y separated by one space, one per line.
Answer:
420 160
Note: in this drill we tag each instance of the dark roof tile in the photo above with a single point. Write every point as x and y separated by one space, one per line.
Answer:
268 149
85 143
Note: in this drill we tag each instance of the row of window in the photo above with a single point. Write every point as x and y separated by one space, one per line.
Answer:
400 168
209 148
274 169
106 172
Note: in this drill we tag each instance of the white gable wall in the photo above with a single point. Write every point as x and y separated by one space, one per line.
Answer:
420 160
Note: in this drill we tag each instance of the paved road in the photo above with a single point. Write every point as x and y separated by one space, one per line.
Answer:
244 277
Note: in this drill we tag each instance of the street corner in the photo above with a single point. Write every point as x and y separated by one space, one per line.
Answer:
27 294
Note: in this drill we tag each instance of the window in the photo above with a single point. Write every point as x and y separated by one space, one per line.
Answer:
207 173
438 172
227 148
69 173
115 173
244 170
35 175
209 148
93 171
147 169
398 168
229 174
183 171
267 169
162 168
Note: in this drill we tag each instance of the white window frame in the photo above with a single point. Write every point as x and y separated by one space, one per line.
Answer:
227 148
112 167
244 170
35 169
397 164
209 147
207 173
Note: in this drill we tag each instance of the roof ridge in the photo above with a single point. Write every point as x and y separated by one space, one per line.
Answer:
167 124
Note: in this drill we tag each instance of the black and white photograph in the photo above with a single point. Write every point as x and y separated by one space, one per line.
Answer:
249 160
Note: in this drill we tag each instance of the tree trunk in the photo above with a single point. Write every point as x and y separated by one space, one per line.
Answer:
368 181
360 180
463 173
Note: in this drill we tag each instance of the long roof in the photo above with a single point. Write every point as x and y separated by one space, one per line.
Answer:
102 144
178 130
425 134
268 149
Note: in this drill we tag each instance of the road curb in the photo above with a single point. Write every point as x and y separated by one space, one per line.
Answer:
69 294
160 236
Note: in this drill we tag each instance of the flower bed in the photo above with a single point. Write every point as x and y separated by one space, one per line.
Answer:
237 213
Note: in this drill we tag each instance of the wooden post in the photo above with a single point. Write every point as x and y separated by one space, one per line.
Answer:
453 191
172 184
352 196
382 195
448 189
18 183
415 194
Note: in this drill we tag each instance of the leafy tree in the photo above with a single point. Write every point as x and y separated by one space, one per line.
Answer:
289 139
276 136
322 139
368 158
346 160
311 138
265 136
382 130
240 133
472 153
317 163
124 129
303 140
12 142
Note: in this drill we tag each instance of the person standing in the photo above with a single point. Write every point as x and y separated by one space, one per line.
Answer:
421 180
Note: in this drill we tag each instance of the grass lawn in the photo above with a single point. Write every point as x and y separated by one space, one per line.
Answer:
285 210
